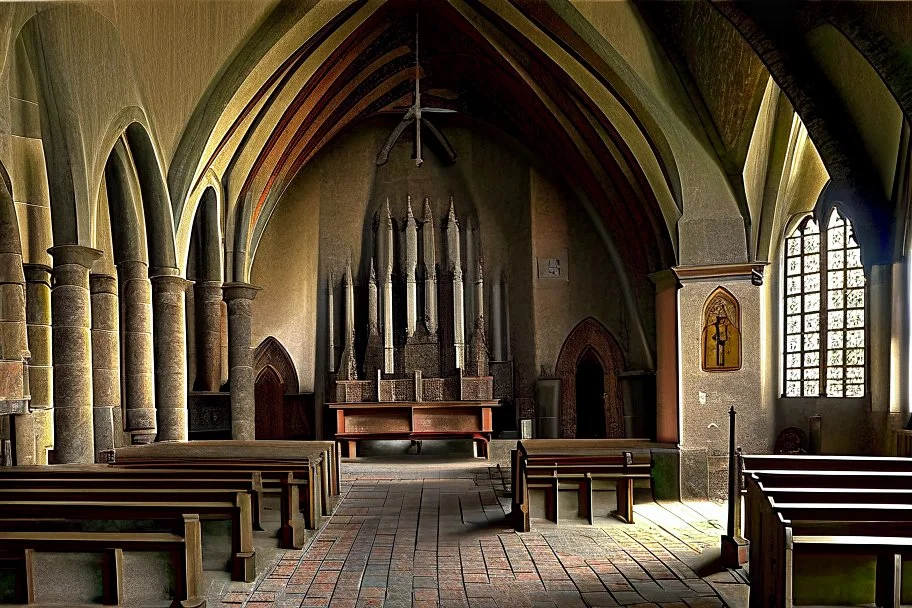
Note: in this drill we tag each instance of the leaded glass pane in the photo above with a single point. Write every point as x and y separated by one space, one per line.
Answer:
812 322
836 279
811 341
836 238
836 299
811 264
853 258
793 360
855 318
855 298
835 319
811 227
793 324
812 282
855 338
834 339
812 302
793 266
793 374
834 373
834 357
793 344
793 285
855 356
792 389
854 390
812 387
834 388
854 373
812 243
835 220
812 359
794 246
850 241
856 278
835 259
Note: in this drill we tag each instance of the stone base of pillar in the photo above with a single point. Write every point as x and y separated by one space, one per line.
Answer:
173 424
22 432
72 425
103 422
143 419
44 434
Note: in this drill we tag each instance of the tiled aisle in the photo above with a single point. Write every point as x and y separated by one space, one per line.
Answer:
435 535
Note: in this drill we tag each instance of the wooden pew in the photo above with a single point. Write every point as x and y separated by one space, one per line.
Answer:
291 525
132 504
546 464
766 462
184 548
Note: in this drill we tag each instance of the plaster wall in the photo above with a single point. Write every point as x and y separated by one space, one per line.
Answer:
286 268
706 396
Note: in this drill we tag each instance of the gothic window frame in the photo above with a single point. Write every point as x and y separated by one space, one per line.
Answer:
839 373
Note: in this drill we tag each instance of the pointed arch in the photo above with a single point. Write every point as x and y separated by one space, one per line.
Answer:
590 336
271 353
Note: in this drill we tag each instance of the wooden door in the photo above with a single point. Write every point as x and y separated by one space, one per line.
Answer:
269 397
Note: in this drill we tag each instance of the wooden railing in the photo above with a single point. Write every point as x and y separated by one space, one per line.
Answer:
903 443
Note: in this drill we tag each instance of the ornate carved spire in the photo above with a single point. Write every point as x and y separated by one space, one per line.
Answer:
411 263
373 324
430 270
454 259
330 324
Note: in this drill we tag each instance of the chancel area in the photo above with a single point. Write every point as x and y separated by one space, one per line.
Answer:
509 303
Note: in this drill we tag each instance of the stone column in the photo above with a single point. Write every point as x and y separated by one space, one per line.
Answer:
139 396
168 314
72 356
105 361
208 303
239 297
40 369
666 311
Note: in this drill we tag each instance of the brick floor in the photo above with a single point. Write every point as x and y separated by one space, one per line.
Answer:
425 536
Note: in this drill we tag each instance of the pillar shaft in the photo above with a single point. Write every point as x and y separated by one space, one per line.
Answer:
136 304
208 303
105 361
666 310
239 297
70 312
40 369
169 314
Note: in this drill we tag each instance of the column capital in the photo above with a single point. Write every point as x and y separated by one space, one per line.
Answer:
240 291
209 284
170 283
74 254
102 283
37 273
664 279
161 271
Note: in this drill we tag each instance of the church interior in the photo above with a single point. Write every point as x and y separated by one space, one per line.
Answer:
455 303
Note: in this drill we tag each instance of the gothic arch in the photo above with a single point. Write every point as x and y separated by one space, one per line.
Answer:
590 335
271 353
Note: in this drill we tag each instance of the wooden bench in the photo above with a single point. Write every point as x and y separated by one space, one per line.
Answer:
547 464
812 507
132 505
19 546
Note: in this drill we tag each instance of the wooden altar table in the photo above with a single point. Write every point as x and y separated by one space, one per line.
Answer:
415 421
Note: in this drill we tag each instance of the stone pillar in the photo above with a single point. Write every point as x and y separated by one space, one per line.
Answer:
40 369
666 310
239 296
168 314
138 373
208 303
72 356
105 361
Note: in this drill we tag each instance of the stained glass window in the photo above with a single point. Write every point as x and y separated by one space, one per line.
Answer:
824 306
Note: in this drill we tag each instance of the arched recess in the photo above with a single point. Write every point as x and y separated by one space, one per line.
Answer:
590 336
124 206
156 203
271 353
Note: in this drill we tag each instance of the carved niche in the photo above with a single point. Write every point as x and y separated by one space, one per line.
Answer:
720 342
590 335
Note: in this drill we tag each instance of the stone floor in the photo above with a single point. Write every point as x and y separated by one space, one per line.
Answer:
434 533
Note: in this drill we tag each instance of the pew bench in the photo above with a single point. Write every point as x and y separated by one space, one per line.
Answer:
480 440
130 506
185 550
581 465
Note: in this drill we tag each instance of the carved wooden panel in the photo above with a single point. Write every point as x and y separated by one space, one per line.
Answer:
270 352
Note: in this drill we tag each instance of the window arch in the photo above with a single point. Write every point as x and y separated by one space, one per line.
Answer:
824 302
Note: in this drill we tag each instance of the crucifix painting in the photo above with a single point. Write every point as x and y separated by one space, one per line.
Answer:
721 338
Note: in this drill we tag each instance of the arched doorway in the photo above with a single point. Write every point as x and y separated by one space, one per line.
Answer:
590 397
269 395
588 348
